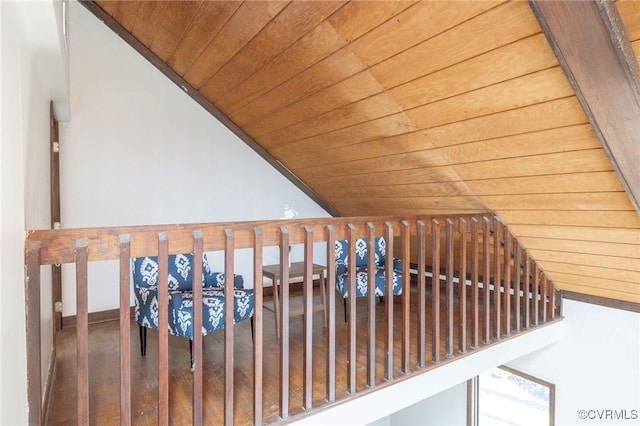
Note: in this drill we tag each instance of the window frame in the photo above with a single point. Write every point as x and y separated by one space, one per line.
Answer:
473 387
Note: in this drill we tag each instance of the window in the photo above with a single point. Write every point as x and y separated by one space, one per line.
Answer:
504 396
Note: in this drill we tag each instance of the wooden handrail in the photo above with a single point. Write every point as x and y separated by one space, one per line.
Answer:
480 265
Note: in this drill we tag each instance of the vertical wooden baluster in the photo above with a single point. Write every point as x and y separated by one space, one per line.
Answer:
486 279
197 326
543 297
307 319
552 301
462 293
497 245
435 291
475 259
258 331
33 337
82 330
536 294
284 323
507 283
406 293
125 329
527 290
163 329
331 313
229 332
449 288
388 302
371 312
422 297
517 284
351 308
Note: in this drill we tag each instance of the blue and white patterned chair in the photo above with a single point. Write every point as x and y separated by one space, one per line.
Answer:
145 280
362 277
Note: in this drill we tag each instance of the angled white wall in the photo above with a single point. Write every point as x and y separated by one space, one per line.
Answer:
139 151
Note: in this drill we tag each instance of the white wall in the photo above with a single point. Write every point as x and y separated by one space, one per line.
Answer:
139 151
595 366
24 185
448 408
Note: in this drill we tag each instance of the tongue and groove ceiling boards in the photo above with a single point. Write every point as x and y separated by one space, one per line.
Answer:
407 107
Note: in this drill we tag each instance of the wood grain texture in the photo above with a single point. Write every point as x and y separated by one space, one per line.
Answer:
310 49
126 13
630 14
172 28
527 90
150 15
402 144
325 73
358 18
606 84
209 20
245 23
591 160
417 107
495 66
293 22
516 22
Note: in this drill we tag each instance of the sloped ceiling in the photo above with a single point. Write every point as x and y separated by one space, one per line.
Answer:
406 107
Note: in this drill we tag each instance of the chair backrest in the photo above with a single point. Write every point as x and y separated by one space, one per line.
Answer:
342 252
145 273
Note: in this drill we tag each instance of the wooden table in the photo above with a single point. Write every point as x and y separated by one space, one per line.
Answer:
296 270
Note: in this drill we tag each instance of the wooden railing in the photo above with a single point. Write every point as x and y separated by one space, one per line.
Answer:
479 267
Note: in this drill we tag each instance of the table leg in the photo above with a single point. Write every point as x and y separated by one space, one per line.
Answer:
323 289
276 303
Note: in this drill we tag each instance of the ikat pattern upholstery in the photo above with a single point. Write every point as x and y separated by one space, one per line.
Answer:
342 267
145 280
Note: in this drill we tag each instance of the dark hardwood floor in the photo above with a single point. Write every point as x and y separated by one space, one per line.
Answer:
104 367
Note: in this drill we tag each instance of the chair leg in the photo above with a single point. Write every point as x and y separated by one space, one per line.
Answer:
252 328
345 309
143 339
191 354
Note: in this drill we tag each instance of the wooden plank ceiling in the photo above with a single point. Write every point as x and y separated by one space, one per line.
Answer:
407 107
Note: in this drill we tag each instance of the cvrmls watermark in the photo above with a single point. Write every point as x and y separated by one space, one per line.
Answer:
603 414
